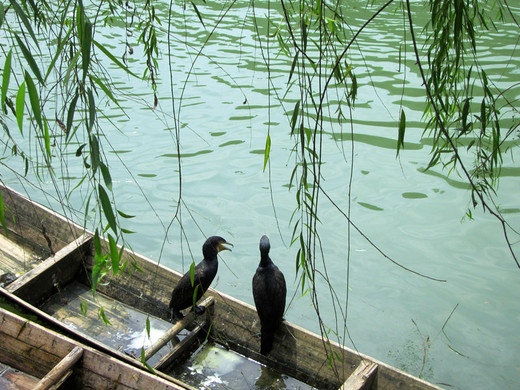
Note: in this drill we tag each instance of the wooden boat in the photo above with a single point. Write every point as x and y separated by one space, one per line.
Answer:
52 260
34 357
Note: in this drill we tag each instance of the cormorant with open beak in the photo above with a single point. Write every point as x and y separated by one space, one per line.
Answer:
203 275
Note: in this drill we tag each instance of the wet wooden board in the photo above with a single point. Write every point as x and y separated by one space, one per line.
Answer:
77 308
15 259
11 378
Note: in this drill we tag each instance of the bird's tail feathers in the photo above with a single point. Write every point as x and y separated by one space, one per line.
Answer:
266 342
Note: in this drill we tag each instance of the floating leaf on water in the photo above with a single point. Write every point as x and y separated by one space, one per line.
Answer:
182 155
370 206
236 142
414 195
241 118
257 151
119 151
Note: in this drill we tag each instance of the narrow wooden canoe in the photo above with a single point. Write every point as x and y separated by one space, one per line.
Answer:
52 258
34 357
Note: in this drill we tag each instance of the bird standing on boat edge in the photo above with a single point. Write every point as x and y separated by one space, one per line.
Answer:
204 273
269 292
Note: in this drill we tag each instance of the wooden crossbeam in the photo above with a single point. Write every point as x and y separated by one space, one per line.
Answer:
49 263
61 370
362 377
185 344
174 330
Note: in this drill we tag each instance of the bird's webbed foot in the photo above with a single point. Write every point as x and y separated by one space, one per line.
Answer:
199 310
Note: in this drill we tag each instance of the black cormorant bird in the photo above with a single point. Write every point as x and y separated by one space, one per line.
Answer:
269 292
204 273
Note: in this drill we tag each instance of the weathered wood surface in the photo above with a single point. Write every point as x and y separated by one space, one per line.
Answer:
186 345
30 348
78 309
174 330
57 271
36 227
112 346
60 371
14 258
362 377
11 378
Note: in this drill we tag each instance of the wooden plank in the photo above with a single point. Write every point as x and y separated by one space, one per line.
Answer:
60 370
55 272
15 258
186 344
174 330
362 378
11 378
116 374
127 329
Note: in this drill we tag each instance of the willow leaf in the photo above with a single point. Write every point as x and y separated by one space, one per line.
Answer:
127 216
198 13
104 87
402 128
23 17
195 292
103 317
29 58
267 150
107 208
99 262
114 254
192 274
113 58
6 77
294 117
94 153
106 175
20 106
47 139
91 110
2 14
71 68
34 99
86 44
293 65
148 327
84 308
70 113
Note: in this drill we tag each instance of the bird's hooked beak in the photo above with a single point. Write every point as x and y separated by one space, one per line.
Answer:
222 246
